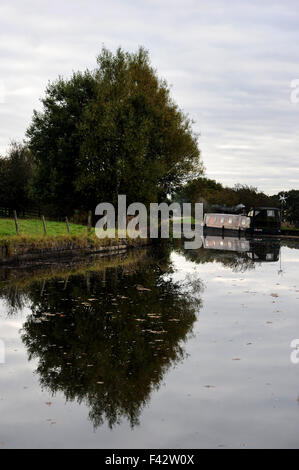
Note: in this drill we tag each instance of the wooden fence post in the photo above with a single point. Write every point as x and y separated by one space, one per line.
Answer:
43 287
67 225
16 222
44 224
89 221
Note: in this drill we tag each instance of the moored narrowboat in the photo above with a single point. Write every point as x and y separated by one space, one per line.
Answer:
259 220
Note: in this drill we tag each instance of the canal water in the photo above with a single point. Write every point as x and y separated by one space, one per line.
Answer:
161 349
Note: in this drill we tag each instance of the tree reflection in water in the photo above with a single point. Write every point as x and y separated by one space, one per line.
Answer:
106 339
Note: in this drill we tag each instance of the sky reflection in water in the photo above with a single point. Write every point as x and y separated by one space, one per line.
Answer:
176 349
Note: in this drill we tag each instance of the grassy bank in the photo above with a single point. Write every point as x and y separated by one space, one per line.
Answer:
34 228
290 227
32 237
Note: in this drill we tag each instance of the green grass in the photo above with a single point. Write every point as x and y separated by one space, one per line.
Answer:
288 227
34 228
189 220
32 236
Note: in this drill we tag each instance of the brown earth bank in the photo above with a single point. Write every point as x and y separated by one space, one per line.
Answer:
28 271
20 252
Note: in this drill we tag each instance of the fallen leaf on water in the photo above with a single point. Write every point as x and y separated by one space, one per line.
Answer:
141 288
156 332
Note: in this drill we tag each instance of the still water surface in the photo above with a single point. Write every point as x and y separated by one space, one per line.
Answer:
172 349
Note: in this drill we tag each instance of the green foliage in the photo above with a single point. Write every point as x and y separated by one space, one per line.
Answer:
34 228
291 211
111 131
16 171
55 140
199 190
211 193
251 196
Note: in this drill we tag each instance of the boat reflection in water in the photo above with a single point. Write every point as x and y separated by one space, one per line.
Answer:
227 243
256 250
106 334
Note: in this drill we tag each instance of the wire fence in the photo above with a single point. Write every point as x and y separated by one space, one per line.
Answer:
32 213
43 216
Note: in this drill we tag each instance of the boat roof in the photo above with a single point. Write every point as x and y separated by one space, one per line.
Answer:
264 207
224 215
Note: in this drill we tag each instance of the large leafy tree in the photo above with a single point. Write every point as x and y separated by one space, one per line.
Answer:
135 139
112 131
54 139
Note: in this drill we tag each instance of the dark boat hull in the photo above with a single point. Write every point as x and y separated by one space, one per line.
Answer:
260 222
250 232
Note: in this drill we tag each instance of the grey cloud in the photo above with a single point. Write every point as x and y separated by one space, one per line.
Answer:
230 64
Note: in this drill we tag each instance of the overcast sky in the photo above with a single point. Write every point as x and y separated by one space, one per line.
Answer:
230 64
